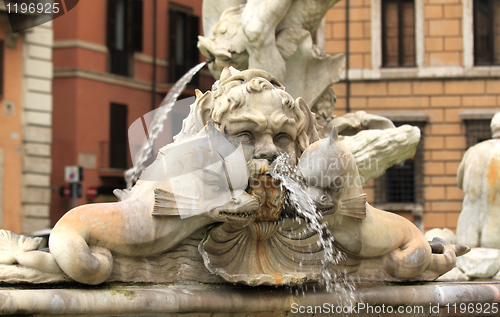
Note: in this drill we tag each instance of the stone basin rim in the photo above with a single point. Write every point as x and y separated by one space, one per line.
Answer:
128 299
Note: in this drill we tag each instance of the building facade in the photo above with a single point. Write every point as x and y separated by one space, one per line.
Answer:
25 125
434 64
114 61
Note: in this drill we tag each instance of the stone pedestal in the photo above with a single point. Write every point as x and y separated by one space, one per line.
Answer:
430 299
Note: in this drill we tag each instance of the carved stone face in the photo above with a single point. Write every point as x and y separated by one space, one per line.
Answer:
262 127
228 45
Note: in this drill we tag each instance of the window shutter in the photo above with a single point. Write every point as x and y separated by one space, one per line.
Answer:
118 136
137 25
111 24
192 31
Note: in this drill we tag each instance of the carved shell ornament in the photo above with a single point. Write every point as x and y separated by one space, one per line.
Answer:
272 250
278 248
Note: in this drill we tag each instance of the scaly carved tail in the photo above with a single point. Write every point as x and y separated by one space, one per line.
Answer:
444 255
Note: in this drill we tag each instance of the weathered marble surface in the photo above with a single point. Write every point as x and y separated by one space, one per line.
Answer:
227 300
445 234
479 177
274 36
377 150
223 186
480 263
453 276
352 123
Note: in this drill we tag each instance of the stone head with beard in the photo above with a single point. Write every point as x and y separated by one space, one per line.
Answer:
253 109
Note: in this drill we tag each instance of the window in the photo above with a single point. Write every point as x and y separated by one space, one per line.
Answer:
124 34
118 136
402 183
183 39
486 32
477 130
399 190
398 33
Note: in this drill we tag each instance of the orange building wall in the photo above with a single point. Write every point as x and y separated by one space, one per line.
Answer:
443 98
81 128
10 134
359 30
81 105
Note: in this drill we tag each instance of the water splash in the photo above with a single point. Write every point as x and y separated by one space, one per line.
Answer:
304 205
157 124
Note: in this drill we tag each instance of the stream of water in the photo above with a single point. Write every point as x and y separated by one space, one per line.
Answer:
155 127
304 205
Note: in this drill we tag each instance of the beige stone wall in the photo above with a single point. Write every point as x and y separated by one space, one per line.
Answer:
442 85
443 33
444 135
37 128
359 32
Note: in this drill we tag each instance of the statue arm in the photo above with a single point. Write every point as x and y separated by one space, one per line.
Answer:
259 20
461 170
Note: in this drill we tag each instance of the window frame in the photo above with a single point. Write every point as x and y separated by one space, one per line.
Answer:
381 191
120 60
477 118
420 120
377 71
491 57
401 37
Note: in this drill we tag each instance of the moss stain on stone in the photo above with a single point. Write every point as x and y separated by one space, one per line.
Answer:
125 293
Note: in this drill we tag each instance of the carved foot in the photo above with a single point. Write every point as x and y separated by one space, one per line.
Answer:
13 245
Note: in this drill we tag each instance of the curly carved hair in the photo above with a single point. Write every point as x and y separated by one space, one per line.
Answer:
231 94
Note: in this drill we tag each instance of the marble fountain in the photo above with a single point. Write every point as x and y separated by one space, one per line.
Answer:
256 209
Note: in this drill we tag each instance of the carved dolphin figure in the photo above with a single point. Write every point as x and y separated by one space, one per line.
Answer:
332 179
152 219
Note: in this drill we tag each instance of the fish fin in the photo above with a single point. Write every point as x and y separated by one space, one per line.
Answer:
354 207
334 136
122 194
170 204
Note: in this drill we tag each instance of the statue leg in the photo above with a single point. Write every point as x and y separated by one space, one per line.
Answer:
89 265
259 20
